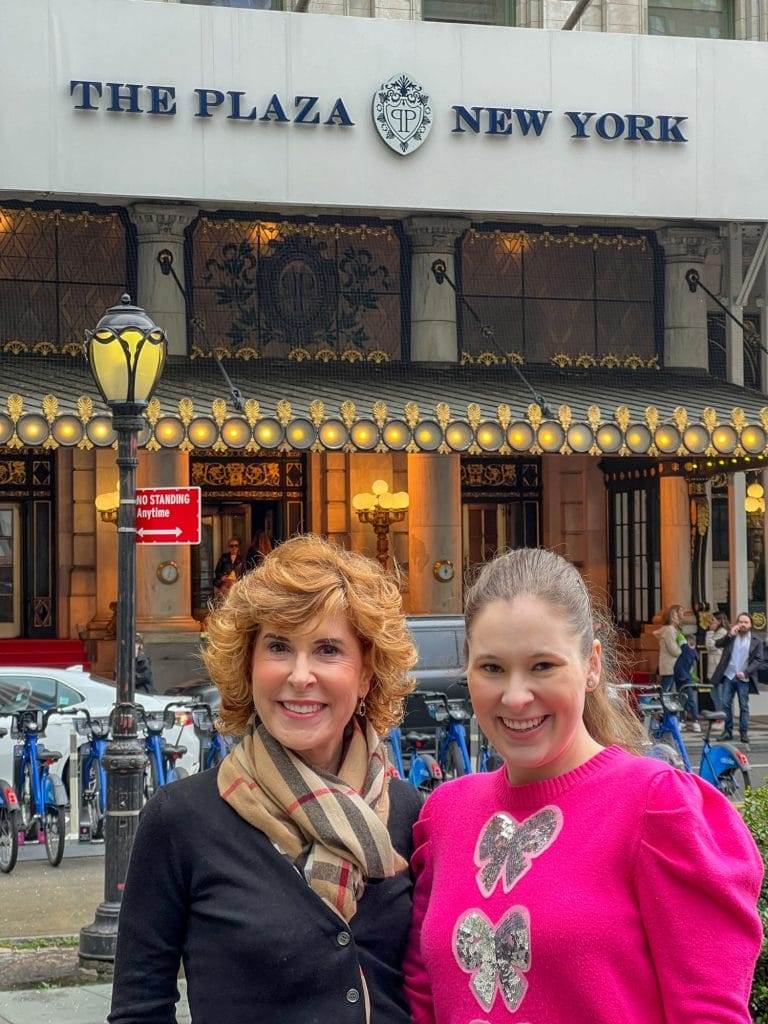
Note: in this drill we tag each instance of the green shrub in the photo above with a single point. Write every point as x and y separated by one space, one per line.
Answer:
755 813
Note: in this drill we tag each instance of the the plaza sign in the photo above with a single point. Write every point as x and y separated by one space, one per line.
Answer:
121 101
401 113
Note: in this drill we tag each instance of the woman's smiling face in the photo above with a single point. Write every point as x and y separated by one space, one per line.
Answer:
306 686
528 681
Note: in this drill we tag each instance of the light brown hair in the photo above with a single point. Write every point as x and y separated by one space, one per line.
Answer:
666 618
303 580
542 574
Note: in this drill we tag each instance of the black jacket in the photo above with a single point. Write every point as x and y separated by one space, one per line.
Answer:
258 945
754 661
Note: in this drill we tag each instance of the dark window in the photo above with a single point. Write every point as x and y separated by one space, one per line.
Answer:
634 560
280 289
719 528
481 12
59 271
437 648
543 294
717 349
706 19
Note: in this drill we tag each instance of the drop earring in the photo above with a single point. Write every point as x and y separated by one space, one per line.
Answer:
361 708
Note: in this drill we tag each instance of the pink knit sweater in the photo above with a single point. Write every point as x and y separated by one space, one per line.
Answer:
623 892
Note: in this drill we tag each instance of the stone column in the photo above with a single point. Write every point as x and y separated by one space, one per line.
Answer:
162 227
737 545
675 537
434 534
734 276
685 312
433 305
163 610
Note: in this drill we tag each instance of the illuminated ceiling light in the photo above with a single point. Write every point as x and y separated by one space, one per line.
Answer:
580 438
6 428
638 439
67 430
33 429
100 431
428 436
364 435
755 491
458 436
203 432
550 436
753 440
725 439
6 223
667 439
490 436
169 432
396 435
609 438
264 232
333 435
520 437
268 433
235 432
696 439
300 434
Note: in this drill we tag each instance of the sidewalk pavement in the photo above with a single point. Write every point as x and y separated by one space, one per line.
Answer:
83 1004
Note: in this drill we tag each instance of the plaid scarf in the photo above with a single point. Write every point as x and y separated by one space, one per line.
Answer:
333 827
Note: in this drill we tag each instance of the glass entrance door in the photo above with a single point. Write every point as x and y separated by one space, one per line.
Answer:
10 571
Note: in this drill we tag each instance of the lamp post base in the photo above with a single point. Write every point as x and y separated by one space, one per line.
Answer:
98 939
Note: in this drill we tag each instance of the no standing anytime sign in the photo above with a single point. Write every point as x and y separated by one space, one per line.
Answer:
168 515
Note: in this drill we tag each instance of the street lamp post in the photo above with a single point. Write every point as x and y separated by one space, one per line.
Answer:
381 509
126 353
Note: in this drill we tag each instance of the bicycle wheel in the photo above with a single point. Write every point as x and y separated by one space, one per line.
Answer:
733 783
93 798
9 840
55 834
454 762
26 810
151 781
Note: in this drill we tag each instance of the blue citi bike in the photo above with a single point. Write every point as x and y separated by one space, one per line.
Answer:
93 775
214 747
42 798
423 772
721 763
451 716
161 755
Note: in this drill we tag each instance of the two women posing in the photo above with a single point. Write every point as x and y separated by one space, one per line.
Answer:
579 883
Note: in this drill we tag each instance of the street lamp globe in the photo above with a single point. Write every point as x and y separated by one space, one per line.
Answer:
126 354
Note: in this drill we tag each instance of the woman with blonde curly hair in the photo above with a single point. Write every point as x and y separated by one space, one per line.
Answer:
258 874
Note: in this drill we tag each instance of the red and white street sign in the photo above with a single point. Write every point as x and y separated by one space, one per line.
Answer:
167 515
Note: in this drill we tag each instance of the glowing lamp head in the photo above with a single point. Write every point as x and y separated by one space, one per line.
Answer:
126 354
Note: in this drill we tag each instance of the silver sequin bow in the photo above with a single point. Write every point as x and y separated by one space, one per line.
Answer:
508 847
495 957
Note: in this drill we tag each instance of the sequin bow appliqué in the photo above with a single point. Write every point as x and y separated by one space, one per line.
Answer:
495 957
506 848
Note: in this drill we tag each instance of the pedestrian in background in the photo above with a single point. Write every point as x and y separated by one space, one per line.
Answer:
718 628
229 568
672 640
737 672
256 874
260 547
144 680
686 679
567 886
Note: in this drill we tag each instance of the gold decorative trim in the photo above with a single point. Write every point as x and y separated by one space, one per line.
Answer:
514 242
475 416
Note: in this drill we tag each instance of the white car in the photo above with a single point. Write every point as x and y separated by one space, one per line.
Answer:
44 688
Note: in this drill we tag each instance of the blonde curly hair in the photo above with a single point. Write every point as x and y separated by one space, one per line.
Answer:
303 580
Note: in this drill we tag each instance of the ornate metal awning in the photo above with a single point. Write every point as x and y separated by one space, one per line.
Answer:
396 407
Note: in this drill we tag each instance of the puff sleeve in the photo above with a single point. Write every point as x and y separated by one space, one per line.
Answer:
417 984
698 875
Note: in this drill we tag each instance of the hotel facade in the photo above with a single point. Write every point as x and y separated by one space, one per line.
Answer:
441 244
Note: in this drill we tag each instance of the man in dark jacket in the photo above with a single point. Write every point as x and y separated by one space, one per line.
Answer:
737 671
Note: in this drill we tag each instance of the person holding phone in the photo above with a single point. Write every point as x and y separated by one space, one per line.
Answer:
737 672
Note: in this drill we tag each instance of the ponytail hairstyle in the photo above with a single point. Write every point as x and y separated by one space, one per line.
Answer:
546 576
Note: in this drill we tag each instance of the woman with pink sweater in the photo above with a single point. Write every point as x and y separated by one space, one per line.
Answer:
580 883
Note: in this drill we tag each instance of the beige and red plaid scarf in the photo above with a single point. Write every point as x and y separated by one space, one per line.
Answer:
333 827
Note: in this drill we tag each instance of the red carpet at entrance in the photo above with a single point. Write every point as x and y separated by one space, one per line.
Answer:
43 653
